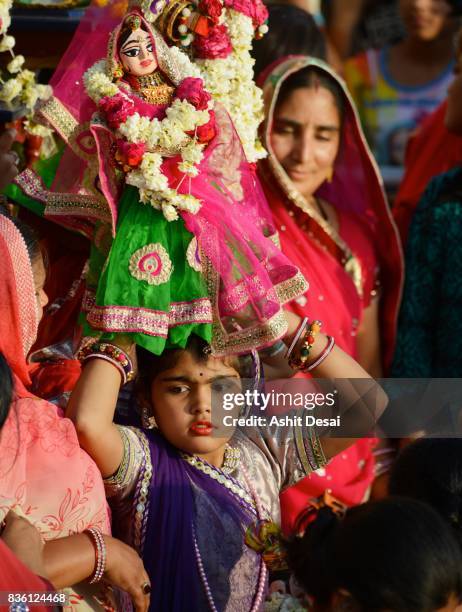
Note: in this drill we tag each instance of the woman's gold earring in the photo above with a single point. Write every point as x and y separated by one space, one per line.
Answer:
330 175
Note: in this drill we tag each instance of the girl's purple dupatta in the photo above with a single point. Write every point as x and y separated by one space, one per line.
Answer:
169 553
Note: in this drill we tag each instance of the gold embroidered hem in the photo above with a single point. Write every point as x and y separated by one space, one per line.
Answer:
62 204
58 117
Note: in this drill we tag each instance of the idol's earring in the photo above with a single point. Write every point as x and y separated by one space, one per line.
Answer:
330 174
118 71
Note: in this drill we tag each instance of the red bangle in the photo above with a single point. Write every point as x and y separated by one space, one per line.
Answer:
317 362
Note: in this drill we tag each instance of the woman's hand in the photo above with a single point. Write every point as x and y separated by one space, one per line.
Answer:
125 569
25 541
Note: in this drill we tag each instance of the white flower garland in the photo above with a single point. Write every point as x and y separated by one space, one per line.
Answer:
22 87
231 82
167 136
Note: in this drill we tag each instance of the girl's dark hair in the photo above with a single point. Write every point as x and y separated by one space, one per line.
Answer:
6 389
431 470
292 31
150 365
312 78
393 554
30 237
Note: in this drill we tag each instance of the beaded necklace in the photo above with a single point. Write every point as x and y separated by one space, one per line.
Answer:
262 575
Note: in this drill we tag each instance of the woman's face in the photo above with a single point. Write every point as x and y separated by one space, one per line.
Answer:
137 54
425 19
40 275
453 118
182 399
305 137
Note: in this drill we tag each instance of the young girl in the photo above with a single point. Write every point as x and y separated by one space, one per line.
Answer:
190 499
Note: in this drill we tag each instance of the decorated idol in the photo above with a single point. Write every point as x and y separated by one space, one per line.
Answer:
155 173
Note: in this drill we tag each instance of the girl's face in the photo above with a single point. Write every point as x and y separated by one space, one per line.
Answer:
425 19
182 405
305 137
137 54
40 275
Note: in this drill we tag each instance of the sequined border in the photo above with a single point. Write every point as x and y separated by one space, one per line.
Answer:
57 115
309 449
122 476
232 484
241 341
151 322
141 498
62 204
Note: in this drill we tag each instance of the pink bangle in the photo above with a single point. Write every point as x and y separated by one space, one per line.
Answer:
100 553
317 362
300 330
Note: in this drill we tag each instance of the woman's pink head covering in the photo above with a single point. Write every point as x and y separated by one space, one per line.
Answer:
18 310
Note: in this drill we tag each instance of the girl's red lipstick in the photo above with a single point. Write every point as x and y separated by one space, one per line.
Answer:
201 428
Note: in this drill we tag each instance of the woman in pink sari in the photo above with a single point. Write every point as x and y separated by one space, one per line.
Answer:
44 474
329 206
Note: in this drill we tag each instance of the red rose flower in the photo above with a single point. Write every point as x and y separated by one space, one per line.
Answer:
255 9
192 90
130 154
211 9
216 45
206 132
117 109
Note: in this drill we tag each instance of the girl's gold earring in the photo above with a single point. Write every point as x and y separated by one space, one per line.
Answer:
147 420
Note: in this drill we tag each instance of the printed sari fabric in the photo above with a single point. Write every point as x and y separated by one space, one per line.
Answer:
44 473
345 267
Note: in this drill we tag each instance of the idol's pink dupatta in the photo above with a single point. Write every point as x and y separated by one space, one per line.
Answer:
43 471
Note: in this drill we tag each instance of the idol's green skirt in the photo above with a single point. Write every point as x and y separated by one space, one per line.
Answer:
148 280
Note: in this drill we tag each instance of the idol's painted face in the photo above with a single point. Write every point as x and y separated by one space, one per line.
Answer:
305 137
425 19
137 54
182 400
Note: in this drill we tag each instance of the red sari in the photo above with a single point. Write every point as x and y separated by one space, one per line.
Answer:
346 269
432 151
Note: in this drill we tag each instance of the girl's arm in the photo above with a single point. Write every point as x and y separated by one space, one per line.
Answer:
91 407
362 398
